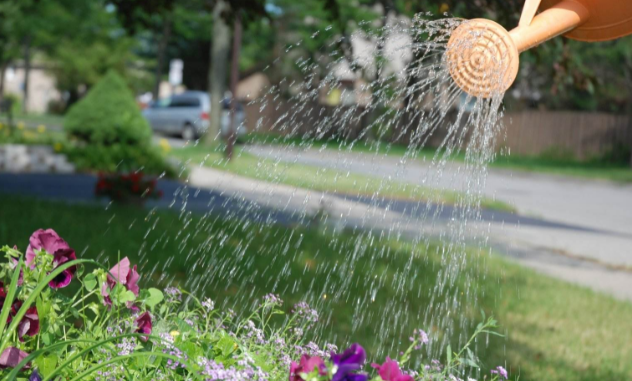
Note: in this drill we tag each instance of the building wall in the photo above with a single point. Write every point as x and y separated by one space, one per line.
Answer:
42 87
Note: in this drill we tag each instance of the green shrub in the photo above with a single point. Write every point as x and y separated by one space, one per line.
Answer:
108 115
558 155
618 155
119 158
16 103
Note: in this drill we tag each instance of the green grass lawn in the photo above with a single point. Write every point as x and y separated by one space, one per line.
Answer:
320 179
35 119
377 147
554 331
592 169
586 170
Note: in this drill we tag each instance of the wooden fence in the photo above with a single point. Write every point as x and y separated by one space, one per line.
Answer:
580 134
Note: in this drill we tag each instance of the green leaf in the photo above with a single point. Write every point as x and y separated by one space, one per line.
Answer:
11 251
263 361
80 271
43 308
126 296
183 326
493 333
449 362
94 308
470 363
47 338
154 298
148 362
46 364
90 282
8 301
192 351
226 345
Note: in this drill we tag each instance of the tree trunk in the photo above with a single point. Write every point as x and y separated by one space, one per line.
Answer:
234 81
220 46
162 52
27 73
3 70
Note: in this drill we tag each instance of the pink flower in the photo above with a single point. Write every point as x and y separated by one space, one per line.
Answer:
49 241
121 273
307 365
11 357
143 324
501 372
389 371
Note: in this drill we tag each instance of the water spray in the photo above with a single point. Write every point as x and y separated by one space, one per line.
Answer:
483 57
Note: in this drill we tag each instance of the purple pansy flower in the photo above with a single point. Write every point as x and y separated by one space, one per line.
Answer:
390 371
49 241
11 357
121 273
29 325
307 365
348 362
501 372
143 324
3 293
35 376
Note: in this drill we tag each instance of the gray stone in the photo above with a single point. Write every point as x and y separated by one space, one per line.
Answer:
37 159
64 168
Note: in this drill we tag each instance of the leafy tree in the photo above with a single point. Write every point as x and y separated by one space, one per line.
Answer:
156 18
19 21
81 40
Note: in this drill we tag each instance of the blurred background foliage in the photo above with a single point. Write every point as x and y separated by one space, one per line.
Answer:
82 40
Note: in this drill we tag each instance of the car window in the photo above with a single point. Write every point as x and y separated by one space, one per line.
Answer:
184 101
161 103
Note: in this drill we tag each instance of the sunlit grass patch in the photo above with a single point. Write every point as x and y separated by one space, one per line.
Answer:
321 178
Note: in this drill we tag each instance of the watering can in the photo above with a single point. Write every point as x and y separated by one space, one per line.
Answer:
483 57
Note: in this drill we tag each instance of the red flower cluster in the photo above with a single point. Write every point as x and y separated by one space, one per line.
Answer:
126 186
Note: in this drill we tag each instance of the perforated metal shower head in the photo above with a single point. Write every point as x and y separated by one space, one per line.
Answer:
482 58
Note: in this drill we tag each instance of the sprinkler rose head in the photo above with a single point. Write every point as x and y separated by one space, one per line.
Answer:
482 58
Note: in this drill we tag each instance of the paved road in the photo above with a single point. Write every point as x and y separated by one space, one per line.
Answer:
577 230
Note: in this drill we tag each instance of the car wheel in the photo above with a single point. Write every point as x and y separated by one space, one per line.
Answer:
188 132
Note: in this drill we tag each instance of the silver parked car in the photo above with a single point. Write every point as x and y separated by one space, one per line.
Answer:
187 114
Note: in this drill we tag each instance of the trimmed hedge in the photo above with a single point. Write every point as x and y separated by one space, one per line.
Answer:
107 115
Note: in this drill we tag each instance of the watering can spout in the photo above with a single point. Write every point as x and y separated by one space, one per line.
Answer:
483 57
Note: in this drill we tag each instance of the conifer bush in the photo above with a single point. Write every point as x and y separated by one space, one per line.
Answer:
107 115
108 133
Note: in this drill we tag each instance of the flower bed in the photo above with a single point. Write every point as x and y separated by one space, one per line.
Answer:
131 188
108 328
